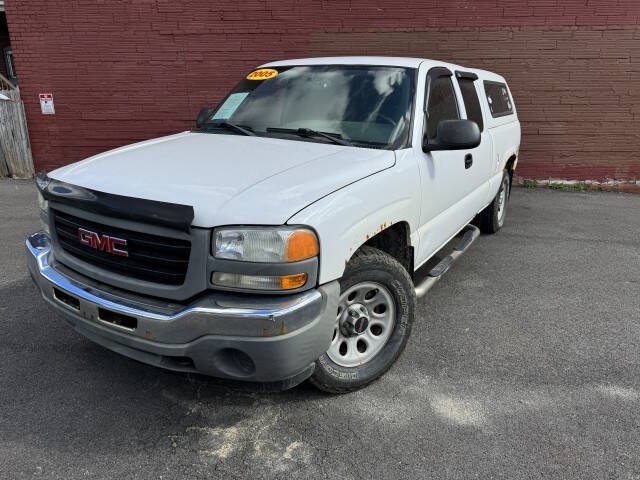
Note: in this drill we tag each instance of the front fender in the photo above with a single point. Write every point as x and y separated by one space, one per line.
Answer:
349 217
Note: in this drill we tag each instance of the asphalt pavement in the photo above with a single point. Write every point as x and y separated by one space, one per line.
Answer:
524 362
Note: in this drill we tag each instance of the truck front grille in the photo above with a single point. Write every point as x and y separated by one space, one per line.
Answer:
152 258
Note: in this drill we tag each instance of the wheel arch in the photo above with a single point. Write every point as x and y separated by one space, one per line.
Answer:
368 212
395 240
510 167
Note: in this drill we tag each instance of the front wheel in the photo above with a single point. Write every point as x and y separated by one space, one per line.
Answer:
373 322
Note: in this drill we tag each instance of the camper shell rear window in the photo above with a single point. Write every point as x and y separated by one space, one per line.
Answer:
498 98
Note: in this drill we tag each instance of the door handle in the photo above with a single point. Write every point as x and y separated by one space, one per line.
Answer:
468 161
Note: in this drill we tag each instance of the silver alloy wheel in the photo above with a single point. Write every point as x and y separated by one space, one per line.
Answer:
370 306
502 200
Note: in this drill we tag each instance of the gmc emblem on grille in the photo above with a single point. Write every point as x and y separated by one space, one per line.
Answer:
103 243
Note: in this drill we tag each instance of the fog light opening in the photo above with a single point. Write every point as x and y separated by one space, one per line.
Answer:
117 319
66 299
234 363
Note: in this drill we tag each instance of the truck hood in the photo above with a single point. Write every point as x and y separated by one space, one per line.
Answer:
227 179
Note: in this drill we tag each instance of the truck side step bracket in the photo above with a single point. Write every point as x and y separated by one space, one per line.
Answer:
469 235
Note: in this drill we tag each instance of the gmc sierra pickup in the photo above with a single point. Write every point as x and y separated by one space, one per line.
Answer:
278 240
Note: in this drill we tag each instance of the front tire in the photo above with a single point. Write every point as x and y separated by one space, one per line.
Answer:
491 219
373 322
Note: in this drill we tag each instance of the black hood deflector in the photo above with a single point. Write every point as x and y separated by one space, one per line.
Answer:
164 214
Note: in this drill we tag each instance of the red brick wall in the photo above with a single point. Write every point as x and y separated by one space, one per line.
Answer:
122 71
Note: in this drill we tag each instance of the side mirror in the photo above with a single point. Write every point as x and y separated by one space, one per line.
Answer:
453 135
203 116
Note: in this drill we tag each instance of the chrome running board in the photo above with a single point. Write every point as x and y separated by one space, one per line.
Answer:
471 233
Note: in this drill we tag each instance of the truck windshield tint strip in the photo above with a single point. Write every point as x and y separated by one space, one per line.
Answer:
367 106
498 98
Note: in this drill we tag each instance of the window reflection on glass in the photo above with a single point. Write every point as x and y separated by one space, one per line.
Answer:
498 98
369 106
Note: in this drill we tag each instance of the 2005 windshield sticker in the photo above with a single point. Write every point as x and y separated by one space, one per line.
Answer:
230 105
262 74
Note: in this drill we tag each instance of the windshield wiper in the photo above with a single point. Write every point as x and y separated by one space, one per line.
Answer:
232 126
307 132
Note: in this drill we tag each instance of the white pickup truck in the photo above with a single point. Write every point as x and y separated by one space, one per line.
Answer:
279 240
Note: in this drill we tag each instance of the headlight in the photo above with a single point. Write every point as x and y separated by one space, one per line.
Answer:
42 203
273 245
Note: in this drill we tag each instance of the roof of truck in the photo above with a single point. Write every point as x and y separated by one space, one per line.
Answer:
410 62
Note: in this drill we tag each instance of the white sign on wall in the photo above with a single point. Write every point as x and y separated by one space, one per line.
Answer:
46 104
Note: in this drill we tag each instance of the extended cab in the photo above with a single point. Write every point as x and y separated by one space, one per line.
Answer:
279 239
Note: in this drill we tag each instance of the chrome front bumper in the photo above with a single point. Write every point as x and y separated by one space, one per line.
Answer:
243 337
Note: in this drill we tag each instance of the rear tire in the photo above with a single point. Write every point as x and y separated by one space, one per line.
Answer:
377 290
491 219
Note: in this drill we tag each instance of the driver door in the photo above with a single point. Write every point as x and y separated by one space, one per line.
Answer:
447 179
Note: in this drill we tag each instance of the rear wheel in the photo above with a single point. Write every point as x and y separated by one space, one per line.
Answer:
373 322
491 219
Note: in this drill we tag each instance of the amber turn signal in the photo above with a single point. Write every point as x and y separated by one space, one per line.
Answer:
301 244
289 282
253 282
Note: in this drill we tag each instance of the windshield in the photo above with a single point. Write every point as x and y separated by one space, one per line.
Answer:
367 106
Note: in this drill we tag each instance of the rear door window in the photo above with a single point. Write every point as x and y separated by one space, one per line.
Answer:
498 98
471 102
